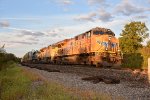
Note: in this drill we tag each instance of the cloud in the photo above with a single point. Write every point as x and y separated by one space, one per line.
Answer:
27 32
32 39
63 4
53 33
4 24
66 2
56 32
21 42
25 19
141 17
35 35
86 17
127 8
90 2
101 15
18 18
99 3
104 16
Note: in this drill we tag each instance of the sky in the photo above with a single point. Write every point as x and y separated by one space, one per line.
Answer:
27 25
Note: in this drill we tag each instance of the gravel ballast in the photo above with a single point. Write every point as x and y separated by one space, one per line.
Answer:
130 90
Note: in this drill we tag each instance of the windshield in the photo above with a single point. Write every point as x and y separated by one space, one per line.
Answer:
98 32
101 32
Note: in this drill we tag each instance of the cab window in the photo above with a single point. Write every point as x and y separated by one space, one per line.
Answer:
88 34
98 32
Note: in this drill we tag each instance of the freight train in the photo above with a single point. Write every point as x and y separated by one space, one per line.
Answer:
98 46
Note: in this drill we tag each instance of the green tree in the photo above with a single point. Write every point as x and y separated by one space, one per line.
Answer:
132 36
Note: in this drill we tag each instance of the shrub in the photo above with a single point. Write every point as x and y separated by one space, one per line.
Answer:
6 59
132 60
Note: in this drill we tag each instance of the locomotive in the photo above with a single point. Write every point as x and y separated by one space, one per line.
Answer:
98 46
30 57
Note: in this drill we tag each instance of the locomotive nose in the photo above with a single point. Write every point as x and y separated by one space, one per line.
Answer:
107 46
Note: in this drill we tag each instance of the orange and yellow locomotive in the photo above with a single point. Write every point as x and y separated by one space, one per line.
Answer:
98 46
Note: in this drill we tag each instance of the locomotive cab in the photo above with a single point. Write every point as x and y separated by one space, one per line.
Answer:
107 45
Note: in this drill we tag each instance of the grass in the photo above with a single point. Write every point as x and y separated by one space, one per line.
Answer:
17 83
13 83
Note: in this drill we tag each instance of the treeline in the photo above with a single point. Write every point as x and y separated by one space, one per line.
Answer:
135 53
6 59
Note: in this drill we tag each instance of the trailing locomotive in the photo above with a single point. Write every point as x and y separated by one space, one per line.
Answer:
30 57
98 46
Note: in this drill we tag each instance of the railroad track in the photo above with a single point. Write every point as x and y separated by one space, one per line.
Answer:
95 74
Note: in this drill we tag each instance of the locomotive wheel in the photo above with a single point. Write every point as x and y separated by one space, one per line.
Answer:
117 64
